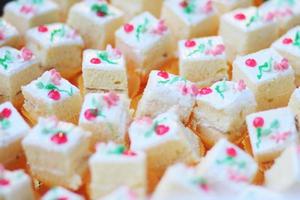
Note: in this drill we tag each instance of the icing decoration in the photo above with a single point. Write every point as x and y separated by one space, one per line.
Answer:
95 61
163 74
4 182
4 116
128 28
241 85
205 91
59 138
202 183
250 62
208 49
287 41
240 16
100 10
231 159
111 99
26 54
281 136
297 39
221 88
142 28
92 113
236 177
266 67
160 28
107 56
116 149
188 6
253 19
190 43
6 59
42 29
158 128
61 32
282 65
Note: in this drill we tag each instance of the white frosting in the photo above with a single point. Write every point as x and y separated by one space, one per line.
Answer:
208 48
12 128
266 56
228 2
7 31
60 192
11 61
57 34
278 130
122 193
258 193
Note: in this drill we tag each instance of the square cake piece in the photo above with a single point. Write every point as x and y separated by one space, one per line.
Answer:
104 70
13 129
287 12
270 77
145 42
124 193
203 60
64 6
270 132
57 152
221 111
60 193
247 26
50 95
190 18
224 6
106 116
96 22
17 68
9 36
288 46
25 14
113 159
165 90
50 42
15 185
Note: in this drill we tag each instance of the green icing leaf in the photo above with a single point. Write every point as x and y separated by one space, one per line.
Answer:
266 67
5 124
190 8
297 39
253 19
103 8
6 59
40 85
142 28
58 33
104 57
200 49
221 88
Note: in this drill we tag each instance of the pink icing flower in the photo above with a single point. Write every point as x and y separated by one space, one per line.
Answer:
207 8
270 16
160 28
282 65
145 119
241 85
234 176
217 50
26 9
2 36
184 90
111 99
114 53
26 54
55 77
281 136
194 90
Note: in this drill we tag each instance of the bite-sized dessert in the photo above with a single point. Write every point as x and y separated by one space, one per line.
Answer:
9 36
57 45
64 7
269 75
104 70
286 12
17 68
246 31
221 111
57 152
270 132
13 129
124 193
25 14
96 21
288 46
15 185
259 193
49 95
106 116
60 193
203 60
113 166
165 141
165 90
224 6
145 42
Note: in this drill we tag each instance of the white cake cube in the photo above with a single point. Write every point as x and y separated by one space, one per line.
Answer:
13 129
245 31
287 12
165 90
60 193
64 6
270 132
190 18
288 46
49 95
9 36
224 6
15 185
104 70
113 159
145 42
57 45
96 22
17 68
57 152
25 14
221 111
106 116
270 77
259 193
124 193
203 60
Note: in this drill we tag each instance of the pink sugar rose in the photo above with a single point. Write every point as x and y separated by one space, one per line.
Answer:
111 99
282 65
207 8
26 54
161 28
114 53
241 85
217 50
27 9
55 77
145 119
184 89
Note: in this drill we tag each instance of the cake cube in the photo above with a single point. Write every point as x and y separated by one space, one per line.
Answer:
133 8
49 95
247 26
224 6
270 132
9 36
15 185
57 152
64 6
203 60
165 141
50 42
165 90
189 18
227 162
145 42
124 192
13 129
104 70
61 193
258 193
96 21
286 12
288 46
106 116
111 159
221 111
270 77
17 68
25 14
294 105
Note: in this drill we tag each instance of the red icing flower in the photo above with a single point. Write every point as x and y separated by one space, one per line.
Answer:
55 77
129 153
95 61
4 182
205 91
161 129
258 122
111 99
128 28
54 95
163 74
101 14
190 43
5 113
161 28
282 65
59 138
204 187
240 16
42 28
91 114
183 4
231 152
26 54
287 41
250 62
